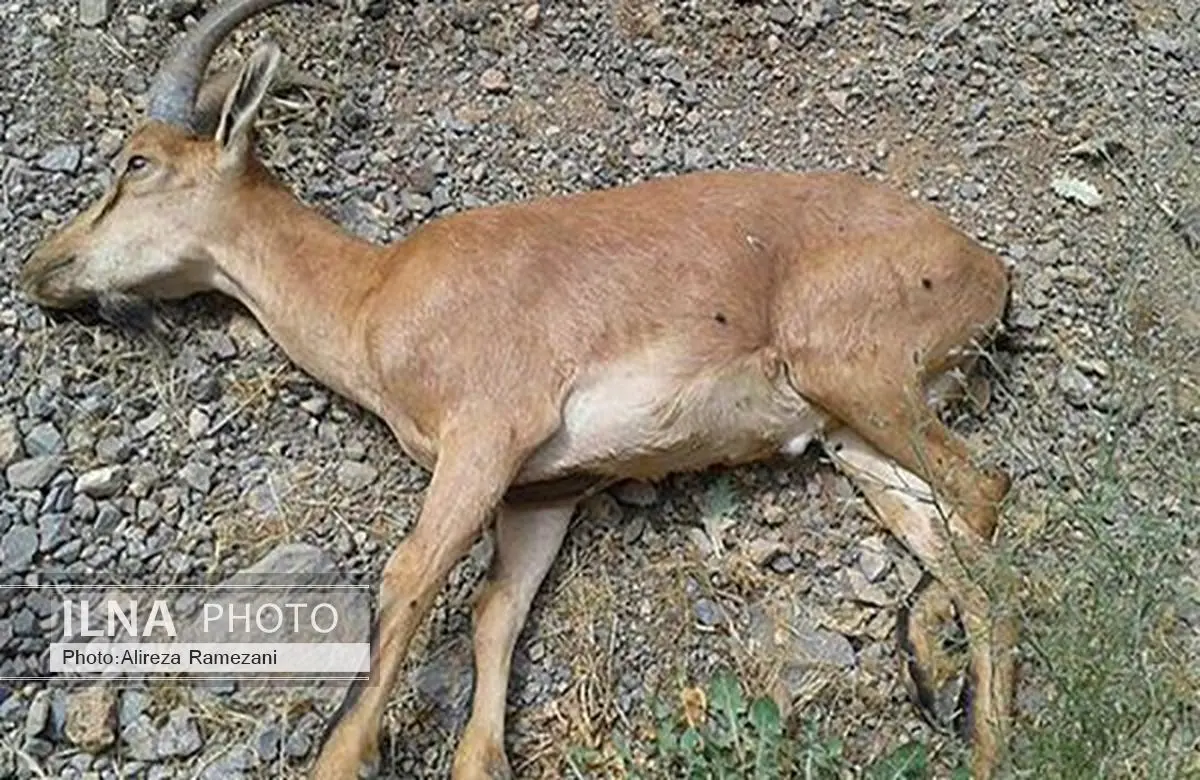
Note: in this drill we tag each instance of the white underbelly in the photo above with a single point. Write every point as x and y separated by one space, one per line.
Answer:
641 418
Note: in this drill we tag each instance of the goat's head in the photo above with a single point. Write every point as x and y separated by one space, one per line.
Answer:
174 181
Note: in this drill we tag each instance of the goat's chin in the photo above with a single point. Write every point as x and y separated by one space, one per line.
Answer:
126 310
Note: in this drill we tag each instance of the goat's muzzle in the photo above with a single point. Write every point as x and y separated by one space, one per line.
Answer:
44 279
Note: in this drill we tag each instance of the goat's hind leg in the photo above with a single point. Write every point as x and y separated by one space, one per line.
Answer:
929 634
527 541
907 507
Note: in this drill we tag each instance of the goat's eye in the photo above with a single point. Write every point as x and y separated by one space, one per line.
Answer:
136 163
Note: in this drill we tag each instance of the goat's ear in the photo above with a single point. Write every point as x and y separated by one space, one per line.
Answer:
234 129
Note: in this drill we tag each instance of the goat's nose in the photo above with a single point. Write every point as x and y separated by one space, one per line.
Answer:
38 269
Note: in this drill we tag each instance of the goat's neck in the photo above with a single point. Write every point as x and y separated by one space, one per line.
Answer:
305 279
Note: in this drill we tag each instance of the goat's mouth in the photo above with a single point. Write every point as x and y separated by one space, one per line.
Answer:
48 284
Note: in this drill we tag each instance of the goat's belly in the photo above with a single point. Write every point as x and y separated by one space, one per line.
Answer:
640 421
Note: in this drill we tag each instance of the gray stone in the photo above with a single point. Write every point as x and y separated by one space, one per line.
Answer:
1075 386
300 741
37 719
862 590
223 346
107 518
69 551
197 424
633 530
709 613
316 404
1049 253
137 24
233 765
93 13
763 551
38 747
10 440
293 559
133 705
1094 367
781 14
139 739
17 547
197 476
58 710
33 473
60 495
873 559
782 563
142 479
44 439
64 158
444 682
81 762
13 709
149 424
1160 41
113 450
266 743
129 770
104 482
1026 318
415 203
970 189
814 645
354 475
52 531
180 737
24 623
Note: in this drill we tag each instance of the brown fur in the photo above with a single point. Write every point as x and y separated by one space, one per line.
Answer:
555 345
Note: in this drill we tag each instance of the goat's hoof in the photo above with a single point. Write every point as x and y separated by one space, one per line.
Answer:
491 770
936 664
489 764
343 759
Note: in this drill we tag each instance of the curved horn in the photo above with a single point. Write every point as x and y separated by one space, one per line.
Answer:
172 96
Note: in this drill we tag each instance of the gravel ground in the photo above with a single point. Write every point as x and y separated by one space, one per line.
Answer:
1064 135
